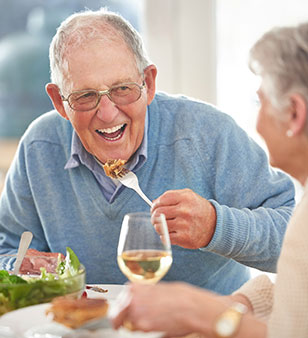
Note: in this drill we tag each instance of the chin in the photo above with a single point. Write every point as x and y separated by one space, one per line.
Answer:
280 165
274 163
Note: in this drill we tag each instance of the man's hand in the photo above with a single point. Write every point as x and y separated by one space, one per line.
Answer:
191 218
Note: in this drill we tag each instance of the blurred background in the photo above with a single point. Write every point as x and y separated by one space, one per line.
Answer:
199 46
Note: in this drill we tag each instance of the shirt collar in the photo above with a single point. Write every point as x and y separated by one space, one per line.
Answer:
80 156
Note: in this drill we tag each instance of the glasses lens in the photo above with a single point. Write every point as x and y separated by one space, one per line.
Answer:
125 94
83 101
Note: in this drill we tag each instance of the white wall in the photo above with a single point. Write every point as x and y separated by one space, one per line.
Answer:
201 47
180 37
239 24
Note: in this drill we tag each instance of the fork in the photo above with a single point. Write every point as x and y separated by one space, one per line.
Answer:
130 180
24 243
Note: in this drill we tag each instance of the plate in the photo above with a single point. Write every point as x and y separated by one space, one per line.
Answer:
113 291
32 322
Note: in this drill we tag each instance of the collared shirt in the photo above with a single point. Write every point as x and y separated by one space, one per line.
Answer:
109 186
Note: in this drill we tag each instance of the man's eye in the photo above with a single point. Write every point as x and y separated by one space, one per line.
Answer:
122 90
85 96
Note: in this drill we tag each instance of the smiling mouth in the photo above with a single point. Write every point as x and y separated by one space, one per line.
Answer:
112 134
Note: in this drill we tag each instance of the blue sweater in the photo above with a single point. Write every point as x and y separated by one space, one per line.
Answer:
190 145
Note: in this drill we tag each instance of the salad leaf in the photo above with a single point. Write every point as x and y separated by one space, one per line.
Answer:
4 304
72 263
6 278
46 275
16 292
70 266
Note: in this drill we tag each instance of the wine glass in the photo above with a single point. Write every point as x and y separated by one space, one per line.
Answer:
144 250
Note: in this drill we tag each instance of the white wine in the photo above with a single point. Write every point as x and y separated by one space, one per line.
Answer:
146 266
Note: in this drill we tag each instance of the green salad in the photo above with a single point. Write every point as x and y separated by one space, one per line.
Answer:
17 292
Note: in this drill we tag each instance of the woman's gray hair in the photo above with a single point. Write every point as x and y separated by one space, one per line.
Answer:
101 25
280 57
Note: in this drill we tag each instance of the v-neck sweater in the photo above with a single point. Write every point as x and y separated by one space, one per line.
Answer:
190 145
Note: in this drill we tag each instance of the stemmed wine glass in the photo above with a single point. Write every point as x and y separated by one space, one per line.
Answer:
144 250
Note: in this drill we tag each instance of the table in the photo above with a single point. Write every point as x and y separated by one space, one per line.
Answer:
23 322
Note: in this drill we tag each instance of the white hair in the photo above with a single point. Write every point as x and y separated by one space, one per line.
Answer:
280 57
101 25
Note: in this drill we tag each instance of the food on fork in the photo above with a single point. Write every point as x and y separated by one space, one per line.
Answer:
74 313
113 168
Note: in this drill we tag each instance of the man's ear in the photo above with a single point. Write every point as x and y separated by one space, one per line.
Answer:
298 114
53 92
150 79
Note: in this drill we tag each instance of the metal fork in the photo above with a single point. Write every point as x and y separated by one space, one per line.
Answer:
130 180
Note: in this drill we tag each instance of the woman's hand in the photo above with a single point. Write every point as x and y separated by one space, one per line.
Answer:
174 308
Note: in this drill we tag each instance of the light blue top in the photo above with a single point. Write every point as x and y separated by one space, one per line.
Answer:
190 145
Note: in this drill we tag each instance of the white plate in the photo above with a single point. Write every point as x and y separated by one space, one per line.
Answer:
113 291
32 322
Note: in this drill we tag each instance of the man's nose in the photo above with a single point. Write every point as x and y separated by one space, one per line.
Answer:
106 110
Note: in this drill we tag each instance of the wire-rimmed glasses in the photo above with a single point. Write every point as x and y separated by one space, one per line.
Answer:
122 94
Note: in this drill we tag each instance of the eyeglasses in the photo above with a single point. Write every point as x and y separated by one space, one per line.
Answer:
121 95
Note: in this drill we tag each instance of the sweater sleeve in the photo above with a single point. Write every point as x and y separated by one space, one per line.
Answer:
253 201
17 208
259 291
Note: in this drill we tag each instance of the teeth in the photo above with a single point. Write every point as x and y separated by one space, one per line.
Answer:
111 130
112 139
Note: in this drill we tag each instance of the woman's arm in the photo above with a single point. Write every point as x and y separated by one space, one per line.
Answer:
179 309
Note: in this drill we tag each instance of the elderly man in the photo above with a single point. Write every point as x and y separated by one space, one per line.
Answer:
225 207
